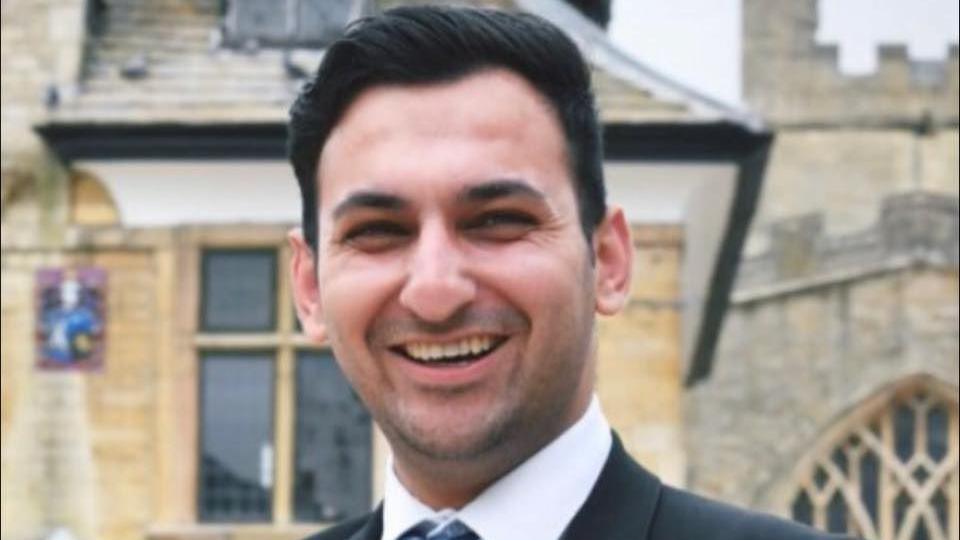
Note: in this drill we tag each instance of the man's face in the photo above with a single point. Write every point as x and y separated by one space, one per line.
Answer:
453 280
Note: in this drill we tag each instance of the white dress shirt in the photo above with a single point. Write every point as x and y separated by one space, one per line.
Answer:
535 501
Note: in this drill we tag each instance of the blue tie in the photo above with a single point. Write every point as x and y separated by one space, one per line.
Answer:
431 530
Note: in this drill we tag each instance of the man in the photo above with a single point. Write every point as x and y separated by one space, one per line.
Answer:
455 249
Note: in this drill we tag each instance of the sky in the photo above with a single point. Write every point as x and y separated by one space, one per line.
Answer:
697 42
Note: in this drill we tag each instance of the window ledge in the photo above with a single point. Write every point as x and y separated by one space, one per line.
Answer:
235 531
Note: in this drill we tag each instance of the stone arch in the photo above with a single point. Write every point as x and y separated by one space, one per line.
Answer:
887 469
90 201
11 187
19 205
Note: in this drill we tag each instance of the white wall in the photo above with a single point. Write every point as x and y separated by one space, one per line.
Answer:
160 193
695 196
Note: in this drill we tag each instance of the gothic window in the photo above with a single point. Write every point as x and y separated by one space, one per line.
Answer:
890 473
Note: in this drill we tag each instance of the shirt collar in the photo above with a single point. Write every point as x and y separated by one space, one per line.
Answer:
512 507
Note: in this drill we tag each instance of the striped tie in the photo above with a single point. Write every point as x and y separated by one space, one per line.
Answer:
431 530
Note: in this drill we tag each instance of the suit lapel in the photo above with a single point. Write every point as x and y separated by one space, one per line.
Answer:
622 503
372 528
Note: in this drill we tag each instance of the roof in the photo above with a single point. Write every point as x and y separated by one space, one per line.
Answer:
178 72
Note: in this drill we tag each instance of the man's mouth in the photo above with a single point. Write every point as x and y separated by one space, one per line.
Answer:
453 352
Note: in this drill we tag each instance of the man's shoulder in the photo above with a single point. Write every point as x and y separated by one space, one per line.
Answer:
630 503
343 530
682 514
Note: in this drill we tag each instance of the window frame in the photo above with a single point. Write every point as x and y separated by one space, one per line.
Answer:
209 252
234 36
878 408
300 365
265 354
181 344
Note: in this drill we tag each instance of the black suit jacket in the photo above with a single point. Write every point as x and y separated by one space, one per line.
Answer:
630 503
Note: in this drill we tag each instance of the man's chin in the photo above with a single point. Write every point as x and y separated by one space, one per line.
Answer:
453 450
457 438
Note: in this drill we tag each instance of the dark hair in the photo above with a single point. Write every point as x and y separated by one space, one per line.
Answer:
432 44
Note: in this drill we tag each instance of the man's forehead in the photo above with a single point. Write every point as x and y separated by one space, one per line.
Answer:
390 129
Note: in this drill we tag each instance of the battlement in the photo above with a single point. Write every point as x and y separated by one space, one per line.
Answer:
914 228
791 78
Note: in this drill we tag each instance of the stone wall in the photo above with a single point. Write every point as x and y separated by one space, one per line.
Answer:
847 173
791 80
43 44
78 446
639 373
849 278
818 324
788 368
843 144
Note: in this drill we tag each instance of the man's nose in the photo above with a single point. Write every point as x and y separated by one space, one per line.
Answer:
438 284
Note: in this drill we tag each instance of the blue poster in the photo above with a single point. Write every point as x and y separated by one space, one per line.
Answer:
70 318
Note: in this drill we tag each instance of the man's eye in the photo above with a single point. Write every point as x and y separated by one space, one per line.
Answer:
501 225
376 235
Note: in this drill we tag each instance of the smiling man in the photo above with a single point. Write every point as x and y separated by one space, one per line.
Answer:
455 251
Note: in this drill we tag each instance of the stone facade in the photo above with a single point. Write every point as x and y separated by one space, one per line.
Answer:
42 51
848 285
47 440
78 446
847 173
639 376
790 79
817 326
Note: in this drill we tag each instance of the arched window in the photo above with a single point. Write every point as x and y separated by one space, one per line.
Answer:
889 471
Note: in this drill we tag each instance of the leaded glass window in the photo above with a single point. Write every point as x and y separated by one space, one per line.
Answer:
239 290
288 23
333 478
283 439
892 476
237 449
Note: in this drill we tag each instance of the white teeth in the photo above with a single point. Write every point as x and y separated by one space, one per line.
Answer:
434 351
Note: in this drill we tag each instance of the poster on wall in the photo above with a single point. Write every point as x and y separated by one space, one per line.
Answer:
71 315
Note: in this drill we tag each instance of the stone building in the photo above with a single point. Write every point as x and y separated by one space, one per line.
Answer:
143 143
826 391
832 396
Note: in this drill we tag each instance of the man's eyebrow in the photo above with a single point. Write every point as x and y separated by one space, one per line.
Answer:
498 189
369 199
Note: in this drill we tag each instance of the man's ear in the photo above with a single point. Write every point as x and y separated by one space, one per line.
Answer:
306 292
613 253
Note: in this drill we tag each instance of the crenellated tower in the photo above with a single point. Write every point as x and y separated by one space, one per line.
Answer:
791 79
